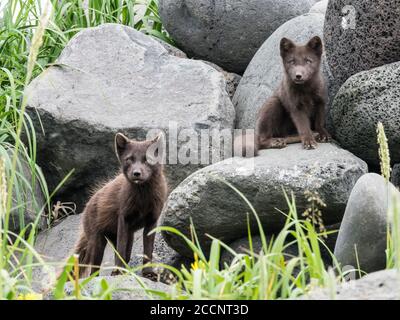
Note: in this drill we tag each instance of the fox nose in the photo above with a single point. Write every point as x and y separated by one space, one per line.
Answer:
299 76
136 173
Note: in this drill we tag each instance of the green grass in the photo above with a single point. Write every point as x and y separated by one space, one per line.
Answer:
266 275
30 40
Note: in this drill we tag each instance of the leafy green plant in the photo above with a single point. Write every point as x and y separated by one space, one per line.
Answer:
17 254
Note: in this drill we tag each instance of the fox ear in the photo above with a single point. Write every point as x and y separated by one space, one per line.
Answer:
316 45
155 152
157 138
286 46
121 142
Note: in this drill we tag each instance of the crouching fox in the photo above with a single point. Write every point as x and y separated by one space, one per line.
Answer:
297 107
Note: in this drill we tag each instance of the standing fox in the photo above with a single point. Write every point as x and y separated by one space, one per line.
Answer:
131 201
298 106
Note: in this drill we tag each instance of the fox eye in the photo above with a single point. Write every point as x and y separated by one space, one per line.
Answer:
292 61
130 159
309 61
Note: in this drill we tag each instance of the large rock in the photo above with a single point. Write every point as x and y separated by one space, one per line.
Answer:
112 78
360 35
219 211
364 100
125 287
365 223
383 285
229 32
264 73
56 244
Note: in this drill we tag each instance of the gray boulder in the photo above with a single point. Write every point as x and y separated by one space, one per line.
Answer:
227 33
383 285
219 211
364 100
360 35
265 71
113 78
56 243
364 225
319 7
126 287
396 175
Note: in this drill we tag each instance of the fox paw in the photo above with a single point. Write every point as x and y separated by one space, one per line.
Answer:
278 143
116 272
323 137
309 143
150 274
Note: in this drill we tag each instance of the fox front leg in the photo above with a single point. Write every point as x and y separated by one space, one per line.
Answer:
148 246
123 242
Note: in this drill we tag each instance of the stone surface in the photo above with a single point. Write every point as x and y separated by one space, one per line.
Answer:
227 33
364 225
57 243
396 175
112 78
219 211
383 285
232 79
319 7
173 51
264 73
364 100
123 288
360 35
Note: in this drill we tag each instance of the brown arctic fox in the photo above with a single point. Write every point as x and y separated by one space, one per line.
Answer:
298 105
131 201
